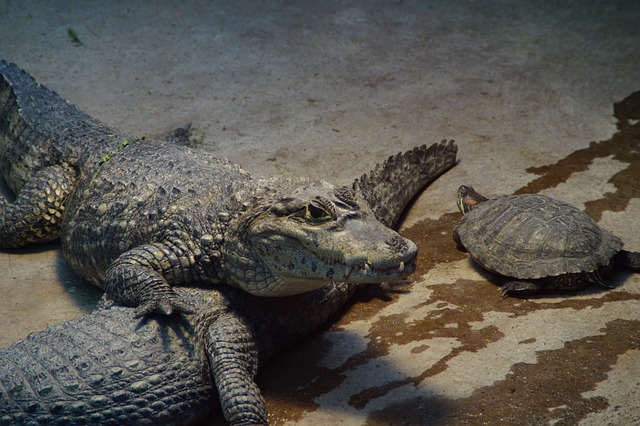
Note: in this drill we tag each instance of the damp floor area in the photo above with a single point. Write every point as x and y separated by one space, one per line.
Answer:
540 97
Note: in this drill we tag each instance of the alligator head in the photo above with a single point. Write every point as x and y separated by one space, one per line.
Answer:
307 234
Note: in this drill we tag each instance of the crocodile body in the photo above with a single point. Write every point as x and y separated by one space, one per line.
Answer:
137 217
111 367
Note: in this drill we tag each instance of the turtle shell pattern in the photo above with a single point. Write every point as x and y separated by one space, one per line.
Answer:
533 236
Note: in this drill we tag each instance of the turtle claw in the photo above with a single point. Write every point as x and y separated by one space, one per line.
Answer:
595 277
519 288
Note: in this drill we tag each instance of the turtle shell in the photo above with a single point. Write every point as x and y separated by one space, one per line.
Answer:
533 236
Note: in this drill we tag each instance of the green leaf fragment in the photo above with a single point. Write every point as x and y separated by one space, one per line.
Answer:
73 36
105 158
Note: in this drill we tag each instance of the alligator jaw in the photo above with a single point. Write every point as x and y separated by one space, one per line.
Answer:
291 273
368 273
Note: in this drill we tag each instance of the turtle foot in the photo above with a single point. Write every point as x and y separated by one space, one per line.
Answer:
519 288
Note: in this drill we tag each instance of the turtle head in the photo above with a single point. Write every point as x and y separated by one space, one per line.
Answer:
468 198
301 238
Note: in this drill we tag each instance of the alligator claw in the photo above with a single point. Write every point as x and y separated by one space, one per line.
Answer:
164 306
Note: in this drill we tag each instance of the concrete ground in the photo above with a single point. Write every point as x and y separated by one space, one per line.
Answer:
540 96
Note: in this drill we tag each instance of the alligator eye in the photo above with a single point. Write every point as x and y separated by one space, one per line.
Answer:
313 213
318 210
317 213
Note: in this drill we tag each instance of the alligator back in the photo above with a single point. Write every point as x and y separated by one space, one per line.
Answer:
108 367
133 197
38 129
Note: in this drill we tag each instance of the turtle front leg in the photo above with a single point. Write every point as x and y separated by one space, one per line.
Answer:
35 215
519 288
232 350
141 277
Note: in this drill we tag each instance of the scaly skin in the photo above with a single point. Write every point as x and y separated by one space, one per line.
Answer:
137 216
109 367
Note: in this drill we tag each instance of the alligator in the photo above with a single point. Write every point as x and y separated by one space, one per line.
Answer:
113 367
137 216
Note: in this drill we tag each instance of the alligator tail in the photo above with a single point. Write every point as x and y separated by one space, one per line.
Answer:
38 129
391 185
47 145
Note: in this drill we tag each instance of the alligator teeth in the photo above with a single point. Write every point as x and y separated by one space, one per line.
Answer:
401 268
367 267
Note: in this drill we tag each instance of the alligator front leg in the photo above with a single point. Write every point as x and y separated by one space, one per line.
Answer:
34 216
141 277
231 347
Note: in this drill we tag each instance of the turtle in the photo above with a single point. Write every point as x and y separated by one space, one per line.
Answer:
541 243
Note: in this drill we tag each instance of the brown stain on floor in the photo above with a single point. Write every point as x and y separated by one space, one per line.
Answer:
531 393
548 391
624 146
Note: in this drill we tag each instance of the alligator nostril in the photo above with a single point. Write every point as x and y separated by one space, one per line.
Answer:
397 242
402 248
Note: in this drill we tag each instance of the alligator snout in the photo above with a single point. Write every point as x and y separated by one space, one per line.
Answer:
398 243
405 249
